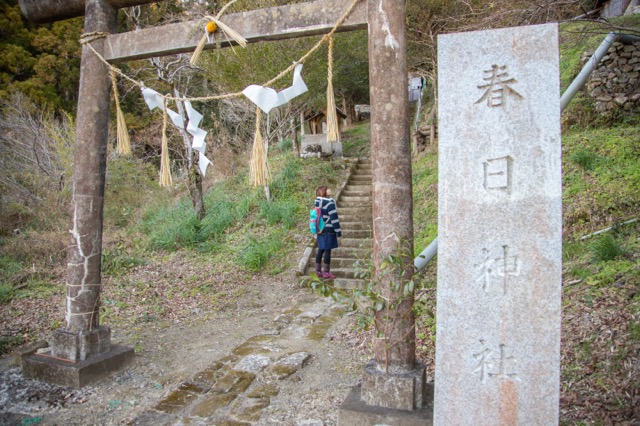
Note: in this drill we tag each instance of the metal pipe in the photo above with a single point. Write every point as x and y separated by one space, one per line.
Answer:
427 254
588 68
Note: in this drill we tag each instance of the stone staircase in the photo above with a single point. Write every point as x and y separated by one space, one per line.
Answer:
356 221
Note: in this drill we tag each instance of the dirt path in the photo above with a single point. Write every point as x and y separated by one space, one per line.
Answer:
274 359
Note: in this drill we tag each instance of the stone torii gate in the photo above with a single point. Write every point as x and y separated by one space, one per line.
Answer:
82 351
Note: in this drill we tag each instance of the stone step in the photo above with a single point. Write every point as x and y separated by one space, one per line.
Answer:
359 188
348 273
343 262
355 218
352 205
354 210
363 175
356 242
355 199
349 284
352 253
356 226
360 182
357 233
348 252
352 193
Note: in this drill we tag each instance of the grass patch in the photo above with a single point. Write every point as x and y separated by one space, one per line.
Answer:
610 192
584 159
116 262
605 248
284 212
356 140
8 343
256 253
425 200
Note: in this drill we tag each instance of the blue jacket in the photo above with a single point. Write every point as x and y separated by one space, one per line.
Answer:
329 215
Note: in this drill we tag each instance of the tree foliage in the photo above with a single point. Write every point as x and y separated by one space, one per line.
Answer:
42 61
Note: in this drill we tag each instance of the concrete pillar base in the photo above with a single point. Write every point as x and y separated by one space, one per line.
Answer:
398 391
46 368
80 346
355 412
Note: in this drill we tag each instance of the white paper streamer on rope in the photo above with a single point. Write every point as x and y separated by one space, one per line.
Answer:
155 100
266 98
203 163
198 134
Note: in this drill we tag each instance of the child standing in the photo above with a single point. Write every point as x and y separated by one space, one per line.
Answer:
328 240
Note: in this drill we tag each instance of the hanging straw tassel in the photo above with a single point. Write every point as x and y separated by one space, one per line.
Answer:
200 47
165 168
259 168
333 131
211 27
123 146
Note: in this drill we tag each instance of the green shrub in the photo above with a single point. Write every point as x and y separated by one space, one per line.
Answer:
284 212
255 254
129 184
356 140
285 145
584 158
6 293
8 343
171 228
286 182
572 250
116 262
606 248
220 216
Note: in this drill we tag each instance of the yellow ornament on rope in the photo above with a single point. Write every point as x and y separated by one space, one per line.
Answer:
211 27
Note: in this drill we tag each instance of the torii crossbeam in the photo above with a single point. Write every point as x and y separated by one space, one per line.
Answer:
84 341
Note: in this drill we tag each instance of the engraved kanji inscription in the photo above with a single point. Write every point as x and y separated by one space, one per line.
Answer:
494 271
507 266
504 364
497 174
484 362
498 87
501 366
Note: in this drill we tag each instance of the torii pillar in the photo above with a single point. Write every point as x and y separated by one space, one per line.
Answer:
394 389
82 351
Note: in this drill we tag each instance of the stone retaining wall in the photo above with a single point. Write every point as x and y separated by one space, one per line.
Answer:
615 84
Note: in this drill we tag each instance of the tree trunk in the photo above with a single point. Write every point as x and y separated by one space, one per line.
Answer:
294 137
194 179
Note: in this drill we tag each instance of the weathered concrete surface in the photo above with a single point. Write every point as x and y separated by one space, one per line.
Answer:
85 247
79 374
391 160
55 10
321 139
500 228
403 391
274 23
76 346
355 412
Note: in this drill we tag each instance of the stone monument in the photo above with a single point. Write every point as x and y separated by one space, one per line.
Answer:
500 228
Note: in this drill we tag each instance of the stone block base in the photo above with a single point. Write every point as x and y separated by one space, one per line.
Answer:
400 391
354 412
80 346
76 375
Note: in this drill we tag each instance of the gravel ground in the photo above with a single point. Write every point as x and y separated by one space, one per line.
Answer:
168 355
